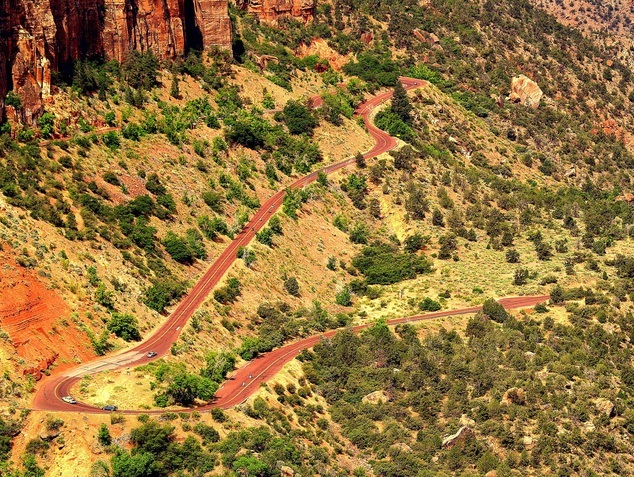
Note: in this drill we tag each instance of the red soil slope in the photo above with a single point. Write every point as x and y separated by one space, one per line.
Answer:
36 319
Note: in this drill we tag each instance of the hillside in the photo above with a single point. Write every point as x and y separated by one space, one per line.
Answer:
511 177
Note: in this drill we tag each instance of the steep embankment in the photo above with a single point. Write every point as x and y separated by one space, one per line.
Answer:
33 316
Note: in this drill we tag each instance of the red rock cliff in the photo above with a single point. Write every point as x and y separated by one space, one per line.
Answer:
272 10
40 36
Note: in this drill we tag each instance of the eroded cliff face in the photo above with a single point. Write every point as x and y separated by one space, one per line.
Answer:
41 36
272 10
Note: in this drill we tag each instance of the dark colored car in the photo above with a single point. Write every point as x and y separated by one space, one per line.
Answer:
110 407
151 354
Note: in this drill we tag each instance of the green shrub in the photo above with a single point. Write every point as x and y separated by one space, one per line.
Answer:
383 264
494 310
208 433
178 248
124 326
141 69
162 293
299 119
429 305
344 297
359 234
111 178
111 140
211 227
228 293
214 200
103 435
375 68
291 285
265 236
248 132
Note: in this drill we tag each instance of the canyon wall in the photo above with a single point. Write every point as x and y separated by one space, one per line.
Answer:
38 37
271 11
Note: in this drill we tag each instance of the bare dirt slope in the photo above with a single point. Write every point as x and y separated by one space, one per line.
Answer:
33 316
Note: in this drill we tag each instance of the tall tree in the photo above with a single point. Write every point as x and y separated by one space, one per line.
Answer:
400 103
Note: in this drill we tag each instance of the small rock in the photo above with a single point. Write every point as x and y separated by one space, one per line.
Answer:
401 447
466 421
528 442
491 473
605 406
376 397
286 471
514 396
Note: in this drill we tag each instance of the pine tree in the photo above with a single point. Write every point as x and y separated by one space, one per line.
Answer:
175 91
359 160
400 103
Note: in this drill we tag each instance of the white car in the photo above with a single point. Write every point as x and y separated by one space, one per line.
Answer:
69 400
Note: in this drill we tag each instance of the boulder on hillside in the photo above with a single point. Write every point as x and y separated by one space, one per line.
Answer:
376 397
525 91
463 434
604 406
286 471
514 396
528 442
401 447
426 37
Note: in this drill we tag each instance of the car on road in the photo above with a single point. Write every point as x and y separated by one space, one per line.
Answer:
110 407
151 354
69 400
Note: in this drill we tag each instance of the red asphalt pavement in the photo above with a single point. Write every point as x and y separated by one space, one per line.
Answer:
52 388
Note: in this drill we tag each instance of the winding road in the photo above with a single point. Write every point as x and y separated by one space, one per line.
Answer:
52 388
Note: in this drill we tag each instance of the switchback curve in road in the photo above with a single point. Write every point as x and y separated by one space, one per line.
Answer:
255 372
52 388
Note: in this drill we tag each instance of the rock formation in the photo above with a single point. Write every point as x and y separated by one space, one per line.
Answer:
271 11
606 407
525 91
41 36
463 434
376 397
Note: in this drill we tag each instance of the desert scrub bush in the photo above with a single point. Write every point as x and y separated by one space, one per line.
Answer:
384 264
429 305
125 326
228 293
162 293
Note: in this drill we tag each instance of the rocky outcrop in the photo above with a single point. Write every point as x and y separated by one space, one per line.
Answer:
38 37
401 447
463 434
430 38
525 91
271 11
606 407
376 397
514 396
286 471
